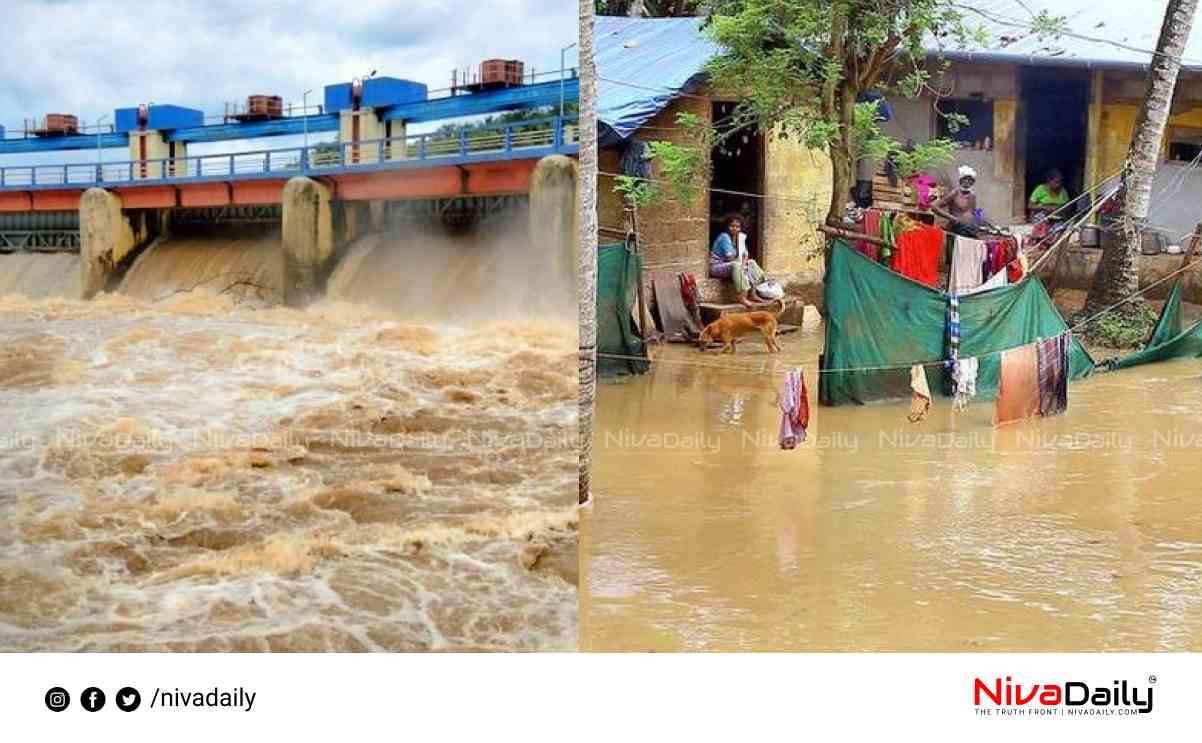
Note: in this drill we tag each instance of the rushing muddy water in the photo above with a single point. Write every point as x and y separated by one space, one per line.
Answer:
189 470
40 274
1079 532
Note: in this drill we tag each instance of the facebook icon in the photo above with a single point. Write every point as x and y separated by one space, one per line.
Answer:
92 699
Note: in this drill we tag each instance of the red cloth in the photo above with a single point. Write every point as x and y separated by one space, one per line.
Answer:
1014 272
918 253
872 226
1002 250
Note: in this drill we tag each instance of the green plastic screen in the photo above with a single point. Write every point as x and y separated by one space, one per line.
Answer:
1168 340
878 318
618 270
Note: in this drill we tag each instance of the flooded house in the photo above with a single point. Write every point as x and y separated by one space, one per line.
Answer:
1032 105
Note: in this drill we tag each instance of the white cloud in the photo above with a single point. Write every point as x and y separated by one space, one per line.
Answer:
89 57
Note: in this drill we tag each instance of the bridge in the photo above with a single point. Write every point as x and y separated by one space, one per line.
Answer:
325 193
474 160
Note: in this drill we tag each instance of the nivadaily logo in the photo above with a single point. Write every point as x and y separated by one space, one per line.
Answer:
1063 698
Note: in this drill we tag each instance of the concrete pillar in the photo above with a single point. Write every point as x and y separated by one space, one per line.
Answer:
105 237
147 146
308 237
396 130
554 219
370 128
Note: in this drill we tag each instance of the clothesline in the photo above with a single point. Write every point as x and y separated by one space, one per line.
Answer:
898 367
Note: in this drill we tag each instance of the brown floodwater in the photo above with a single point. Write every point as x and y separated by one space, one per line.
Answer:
1078 532
188 468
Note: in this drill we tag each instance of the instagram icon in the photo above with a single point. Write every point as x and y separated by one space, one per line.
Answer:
57 699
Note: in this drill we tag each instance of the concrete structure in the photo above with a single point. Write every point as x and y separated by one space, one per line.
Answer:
107 237
307 230
555 217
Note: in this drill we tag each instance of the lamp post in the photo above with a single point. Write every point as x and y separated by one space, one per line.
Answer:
305 123
99 151
562 52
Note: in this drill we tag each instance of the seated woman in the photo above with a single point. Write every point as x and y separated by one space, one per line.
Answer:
728 261
1050 195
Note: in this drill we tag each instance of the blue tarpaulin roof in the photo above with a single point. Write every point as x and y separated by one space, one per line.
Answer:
642 64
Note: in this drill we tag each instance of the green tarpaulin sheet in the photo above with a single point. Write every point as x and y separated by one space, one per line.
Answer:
1168 340
618 269
878 318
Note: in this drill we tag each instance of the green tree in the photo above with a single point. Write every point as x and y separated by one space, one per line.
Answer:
802 67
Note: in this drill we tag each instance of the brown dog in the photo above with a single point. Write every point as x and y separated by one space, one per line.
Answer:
728 328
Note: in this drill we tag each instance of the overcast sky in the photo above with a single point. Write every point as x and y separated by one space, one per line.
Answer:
89 57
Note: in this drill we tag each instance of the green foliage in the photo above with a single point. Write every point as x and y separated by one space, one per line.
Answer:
925 157
1127 326
637 191
650 8
800 67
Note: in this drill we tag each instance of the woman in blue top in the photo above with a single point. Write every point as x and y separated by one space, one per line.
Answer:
727 263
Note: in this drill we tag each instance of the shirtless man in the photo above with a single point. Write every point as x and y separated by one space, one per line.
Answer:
959 207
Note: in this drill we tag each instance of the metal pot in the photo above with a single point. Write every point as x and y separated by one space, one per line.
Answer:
1090 236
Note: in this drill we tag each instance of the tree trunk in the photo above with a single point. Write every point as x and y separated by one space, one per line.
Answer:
1117 276
842 161
587 286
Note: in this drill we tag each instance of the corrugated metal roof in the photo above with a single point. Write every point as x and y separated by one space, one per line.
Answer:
642 64
1104 33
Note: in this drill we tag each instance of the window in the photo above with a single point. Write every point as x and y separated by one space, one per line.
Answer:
1185 144
979 113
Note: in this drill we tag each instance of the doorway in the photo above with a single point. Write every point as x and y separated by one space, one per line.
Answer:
738 170
1056 102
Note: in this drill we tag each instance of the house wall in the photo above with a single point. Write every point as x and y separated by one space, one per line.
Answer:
1177 188
999 170
797 182
675 235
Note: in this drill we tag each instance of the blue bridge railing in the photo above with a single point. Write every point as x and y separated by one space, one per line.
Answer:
515 140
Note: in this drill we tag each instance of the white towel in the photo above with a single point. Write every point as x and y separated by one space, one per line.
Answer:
967 257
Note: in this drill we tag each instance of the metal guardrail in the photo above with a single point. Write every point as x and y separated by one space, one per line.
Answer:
493 141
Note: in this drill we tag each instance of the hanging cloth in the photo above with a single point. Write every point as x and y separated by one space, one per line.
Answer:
917 254
794 405
889 236
998 279
964 382
872 228
920 400
953 331
967 257
1053 374
1018 385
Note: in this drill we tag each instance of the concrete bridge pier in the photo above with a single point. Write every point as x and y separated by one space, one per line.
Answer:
106 237
555 219
308 237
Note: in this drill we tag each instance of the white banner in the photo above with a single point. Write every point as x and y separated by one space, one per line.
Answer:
598 697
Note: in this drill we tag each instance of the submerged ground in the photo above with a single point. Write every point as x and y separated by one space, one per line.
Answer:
1079 532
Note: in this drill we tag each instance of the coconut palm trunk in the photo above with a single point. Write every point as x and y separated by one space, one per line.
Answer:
588 244
1117 276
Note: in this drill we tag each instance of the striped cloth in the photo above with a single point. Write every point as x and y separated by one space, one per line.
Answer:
953 331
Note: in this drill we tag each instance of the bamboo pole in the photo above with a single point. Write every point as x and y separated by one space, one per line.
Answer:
849 235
